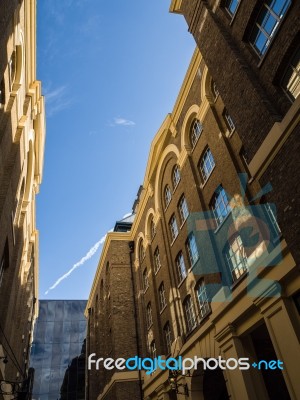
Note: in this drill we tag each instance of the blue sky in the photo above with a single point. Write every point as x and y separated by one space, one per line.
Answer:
110 72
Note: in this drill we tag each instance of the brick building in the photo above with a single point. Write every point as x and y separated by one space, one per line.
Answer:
204 270
22 136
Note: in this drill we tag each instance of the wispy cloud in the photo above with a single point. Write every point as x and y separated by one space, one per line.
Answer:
118 121
57 100
83 260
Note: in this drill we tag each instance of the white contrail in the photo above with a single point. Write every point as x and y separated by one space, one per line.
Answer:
88 255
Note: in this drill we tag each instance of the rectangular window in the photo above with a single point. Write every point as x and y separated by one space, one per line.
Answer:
229 122
236 258
267 23
173 227
273 221
157 263
153 349
231 6
291 78
192 249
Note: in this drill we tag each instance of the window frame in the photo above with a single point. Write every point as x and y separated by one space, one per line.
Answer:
229 122
291 66
195 131
181 267
220 191
258 28
149 316
176 176
167 196
157 262
142 252
239 267
168 337
153 350
183 209
206 156
145 279
162 297
203 302
152 229
191 244
227 5
173 227
189 314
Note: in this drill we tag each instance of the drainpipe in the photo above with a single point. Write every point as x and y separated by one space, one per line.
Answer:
131 250
88 352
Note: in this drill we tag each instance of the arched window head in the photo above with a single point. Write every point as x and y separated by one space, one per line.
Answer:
167 195
175 176
141 251
195 132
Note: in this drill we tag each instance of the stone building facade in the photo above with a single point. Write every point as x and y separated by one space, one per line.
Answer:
207 268
22 137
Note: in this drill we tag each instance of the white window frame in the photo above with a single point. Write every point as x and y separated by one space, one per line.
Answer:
183 209
181 268
203 299
149 316
176 176
220 202
157 262
168 337
195 132
294 80
259 29
153 349
189 312
192 249
162 297
145 279
229 122
236 258
207 164
228 5
167 195
173 227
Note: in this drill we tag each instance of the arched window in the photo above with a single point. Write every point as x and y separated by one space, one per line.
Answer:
192 249
183 209
152 228
149 315
195 131
202 299
214 90
168 337
220 205
173 227
145 279
180 267
141 252
236 258
206 164
157 263
175 176
168 195
162 296
189 312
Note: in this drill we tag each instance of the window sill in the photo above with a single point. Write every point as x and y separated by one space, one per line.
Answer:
163 309
145 290
195 144
157 271
239 280
149 327
175 187
173 241
181 282
229 132
193 266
